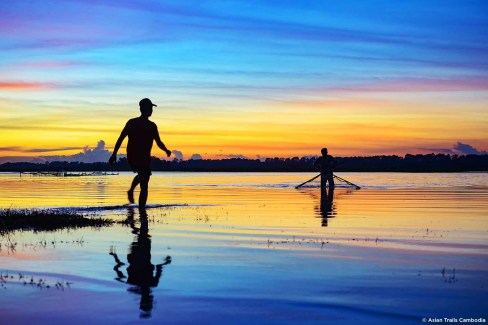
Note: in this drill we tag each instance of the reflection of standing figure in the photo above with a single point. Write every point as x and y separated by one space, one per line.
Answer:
140 272
326 204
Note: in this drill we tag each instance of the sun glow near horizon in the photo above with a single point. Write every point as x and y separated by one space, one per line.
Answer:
230 80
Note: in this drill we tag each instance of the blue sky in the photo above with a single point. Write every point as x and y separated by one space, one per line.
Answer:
247 64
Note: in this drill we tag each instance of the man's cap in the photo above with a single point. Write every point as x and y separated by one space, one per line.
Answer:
146 102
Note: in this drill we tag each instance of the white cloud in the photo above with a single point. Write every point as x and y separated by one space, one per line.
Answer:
99 153
467 149
177 154
460 149
88 155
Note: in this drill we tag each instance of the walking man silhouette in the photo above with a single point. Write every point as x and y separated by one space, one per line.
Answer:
141 133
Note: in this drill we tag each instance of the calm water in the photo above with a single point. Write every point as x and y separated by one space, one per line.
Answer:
249 248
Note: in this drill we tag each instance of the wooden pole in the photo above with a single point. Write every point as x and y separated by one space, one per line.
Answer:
335 176
311 179
345 181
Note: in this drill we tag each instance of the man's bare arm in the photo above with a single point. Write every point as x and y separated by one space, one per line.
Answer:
161 144
121 138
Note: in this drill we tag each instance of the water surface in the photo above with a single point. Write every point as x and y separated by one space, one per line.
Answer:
249 248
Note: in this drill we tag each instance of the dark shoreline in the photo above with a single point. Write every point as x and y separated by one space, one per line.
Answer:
430 163
26 172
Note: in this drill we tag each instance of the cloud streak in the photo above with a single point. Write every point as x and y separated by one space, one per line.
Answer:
49 64
24 86
36 150
408 85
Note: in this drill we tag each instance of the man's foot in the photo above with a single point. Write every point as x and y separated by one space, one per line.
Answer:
130 196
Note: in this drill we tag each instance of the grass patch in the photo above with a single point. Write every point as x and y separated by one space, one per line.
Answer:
46 220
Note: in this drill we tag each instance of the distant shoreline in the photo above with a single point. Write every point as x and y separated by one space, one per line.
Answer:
430 163
250 171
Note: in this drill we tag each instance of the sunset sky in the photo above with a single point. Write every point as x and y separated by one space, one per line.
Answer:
268 78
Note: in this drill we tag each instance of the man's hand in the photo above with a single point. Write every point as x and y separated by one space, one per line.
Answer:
168 152
112 159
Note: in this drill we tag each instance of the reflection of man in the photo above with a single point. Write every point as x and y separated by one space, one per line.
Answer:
141 133
141 272
326 204
326 163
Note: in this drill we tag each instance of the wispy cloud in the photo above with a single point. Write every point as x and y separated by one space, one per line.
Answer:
49 64
415 85
25 150
24 86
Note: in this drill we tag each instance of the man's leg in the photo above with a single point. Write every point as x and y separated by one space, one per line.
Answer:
144 184
330 178
323 182
130 192
330 198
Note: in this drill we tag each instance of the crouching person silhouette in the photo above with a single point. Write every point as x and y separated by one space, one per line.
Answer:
141 132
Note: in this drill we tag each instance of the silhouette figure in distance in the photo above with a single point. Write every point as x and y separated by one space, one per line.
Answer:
326 163
141 132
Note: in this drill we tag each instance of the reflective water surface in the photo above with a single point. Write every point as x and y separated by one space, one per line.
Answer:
249 248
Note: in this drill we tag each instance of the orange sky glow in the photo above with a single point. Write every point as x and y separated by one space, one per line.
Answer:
236 82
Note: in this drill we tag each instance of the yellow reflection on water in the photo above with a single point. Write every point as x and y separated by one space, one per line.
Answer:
266 204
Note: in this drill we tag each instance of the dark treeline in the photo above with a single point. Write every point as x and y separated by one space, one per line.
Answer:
408 163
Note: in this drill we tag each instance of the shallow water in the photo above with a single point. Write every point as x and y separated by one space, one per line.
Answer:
249 248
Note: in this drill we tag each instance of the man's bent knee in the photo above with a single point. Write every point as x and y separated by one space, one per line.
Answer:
144 178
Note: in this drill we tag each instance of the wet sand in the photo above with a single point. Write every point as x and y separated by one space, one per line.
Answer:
253 251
